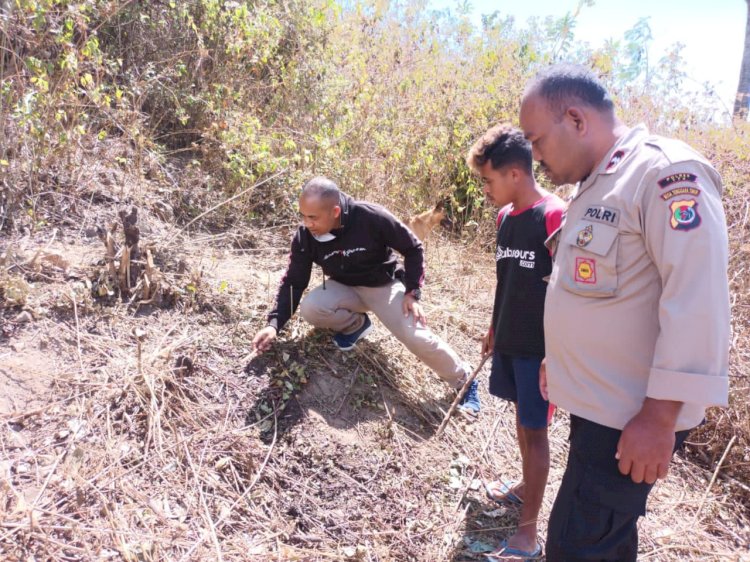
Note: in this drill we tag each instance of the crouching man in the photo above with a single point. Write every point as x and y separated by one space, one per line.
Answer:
354 243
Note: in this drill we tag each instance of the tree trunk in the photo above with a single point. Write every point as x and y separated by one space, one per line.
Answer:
742 101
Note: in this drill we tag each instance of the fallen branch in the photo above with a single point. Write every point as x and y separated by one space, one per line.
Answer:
460 395
713 479
212 209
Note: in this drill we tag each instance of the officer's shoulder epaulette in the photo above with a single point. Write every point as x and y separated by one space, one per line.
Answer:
673 150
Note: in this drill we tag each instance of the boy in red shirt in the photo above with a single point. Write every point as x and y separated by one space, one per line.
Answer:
528 215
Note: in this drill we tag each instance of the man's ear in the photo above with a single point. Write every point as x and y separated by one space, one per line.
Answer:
336 211
578 118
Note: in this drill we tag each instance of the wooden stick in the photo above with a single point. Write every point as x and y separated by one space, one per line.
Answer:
109 243
122 274
249 357
460 395
240 194
207 515
713 479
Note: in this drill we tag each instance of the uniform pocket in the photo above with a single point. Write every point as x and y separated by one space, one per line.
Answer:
601 523
590 265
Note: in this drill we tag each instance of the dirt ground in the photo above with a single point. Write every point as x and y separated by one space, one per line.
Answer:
143 432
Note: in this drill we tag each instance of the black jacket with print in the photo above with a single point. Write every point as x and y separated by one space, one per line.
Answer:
361 254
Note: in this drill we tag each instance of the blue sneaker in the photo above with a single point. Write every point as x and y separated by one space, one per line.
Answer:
470 402
345 342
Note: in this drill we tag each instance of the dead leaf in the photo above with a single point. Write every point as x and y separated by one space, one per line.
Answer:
222 463
15 290
55 259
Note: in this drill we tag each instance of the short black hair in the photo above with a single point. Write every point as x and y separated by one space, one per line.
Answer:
562 85
323 188
501 145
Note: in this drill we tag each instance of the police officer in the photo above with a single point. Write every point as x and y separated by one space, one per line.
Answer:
637 309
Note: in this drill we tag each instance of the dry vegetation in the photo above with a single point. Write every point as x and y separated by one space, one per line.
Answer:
147 180
141 432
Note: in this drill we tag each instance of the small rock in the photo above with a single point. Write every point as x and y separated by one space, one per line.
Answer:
477 546
664 536
22 468
358 553
24 316
16 440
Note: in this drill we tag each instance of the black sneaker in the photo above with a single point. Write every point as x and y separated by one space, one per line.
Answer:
470 402
345 342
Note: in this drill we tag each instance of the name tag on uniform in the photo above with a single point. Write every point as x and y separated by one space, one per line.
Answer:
600 213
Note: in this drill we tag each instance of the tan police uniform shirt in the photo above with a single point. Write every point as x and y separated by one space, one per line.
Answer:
638 300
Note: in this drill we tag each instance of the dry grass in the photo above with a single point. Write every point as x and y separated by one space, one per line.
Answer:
149 437
728 148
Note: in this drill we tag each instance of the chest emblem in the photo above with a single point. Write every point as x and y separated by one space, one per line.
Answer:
585 270
344 253
684 215
585 236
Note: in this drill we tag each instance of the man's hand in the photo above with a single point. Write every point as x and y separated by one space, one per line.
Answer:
488 342
647 441
264 338
412 306
543 380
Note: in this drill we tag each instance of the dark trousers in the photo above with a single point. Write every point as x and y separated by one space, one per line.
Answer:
596 510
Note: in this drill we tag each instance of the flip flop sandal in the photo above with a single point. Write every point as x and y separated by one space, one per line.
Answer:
505 551
500 492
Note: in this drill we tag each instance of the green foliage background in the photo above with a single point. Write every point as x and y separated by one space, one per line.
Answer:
385 97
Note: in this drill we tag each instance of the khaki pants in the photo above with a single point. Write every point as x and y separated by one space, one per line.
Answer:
340 307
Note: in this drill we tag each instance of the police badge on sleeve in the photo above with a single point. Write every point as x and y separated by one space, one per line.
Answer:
684 214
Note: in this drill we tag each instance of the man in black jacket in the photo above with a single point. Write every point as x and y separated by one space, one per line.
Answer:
354 243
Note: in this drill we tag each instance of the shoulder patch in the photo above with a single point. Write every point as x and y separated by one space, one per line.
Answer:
693 191
683 177
684 214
